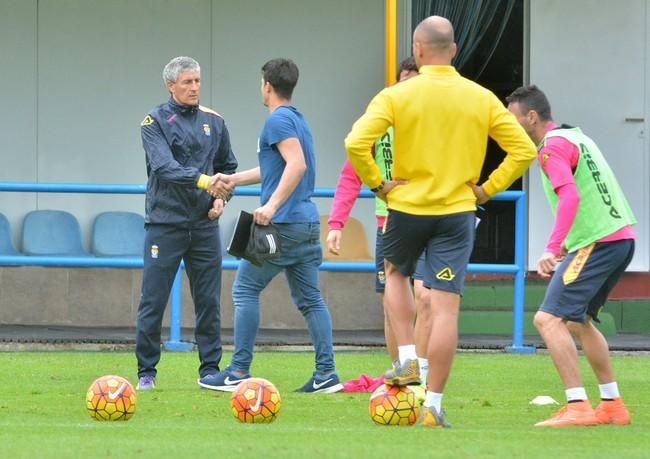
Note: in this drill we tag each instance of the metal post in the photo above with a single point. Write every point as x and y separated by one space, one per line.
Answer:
174 343
390 8
518 303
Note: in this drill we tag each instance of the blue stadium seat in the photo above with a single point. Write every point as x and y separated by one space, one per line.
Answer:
6 244
118 234
51 233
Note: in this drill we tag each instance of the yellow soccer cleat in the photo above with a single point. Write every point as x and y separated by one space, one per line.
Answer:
431 418
403 375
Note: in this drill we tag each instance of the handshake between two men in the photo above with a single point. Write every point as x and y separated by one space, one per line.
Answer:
220 186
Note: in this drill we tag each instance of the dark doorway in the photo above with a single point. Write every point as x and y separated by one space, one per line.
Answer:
494 32
495 236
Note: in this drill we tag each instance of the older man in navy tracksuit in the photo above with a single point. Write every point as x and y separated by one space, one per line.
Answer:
186 146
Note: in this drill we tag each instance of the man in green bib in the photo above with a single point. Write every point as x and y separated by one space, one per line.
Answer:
591 244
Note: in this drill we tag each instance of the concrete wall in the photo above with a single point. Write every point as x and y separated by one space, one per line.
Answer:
109 298
593 60
18 125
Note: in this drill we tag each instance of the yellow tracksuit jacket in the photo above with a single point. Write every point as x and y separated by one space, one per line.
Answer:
441 125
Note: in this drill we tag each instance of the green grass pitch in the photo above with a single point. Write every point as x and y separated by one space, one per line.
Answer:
42 411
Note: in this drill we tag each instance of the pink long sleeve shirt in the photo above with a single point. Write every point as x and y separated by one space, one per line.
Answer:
558 158
345 195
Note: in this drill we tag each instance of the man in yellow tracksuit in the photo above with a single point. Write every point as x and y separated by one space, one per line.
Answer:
441 122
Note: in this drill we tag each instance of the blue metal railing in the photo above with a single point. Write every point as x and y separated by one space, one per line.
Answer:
176 344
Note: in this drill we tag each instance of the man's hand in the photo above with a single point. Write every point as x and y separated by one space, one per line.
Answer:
481 196
387 188
263 215
216 210
334 241
220 185
546 264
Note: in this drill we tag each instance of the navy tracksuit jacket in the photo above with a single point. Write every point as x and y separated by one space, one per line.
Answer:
181 142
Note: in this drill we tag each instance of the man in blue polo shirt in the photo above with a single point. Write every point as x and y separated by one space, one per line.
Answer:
287 174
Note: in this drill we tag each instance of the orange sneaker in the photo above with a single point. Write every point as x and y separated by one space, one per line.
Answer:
573 414
613 412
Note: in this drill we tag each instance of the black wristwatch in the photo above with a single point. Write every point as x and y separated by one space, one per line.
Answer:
379 188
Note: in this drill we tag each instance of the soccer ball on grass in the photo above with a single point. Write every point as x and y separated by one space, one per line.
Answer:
255 401
111 398
394 405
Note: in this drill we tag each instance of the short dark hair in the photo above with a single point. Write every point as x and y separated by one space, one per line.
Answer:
282 75
532 98
407 64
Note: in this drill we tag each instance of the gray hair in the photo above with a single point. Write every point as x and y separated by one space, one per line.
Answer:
178 65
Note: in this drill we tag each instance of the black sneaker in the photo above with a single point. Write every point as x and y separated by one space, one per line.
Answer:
323 385
225 381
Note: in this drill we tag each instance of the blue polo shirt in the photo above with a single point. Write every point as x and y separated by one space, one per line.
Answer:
286 122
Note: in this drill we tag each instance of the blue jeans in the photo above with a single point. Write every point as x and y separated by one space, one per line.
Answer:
300 259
